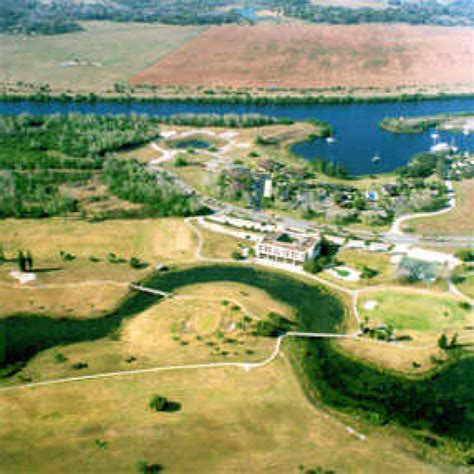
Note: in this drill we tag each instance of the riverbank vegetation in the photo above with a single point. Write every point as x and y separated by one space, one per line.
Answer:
452 122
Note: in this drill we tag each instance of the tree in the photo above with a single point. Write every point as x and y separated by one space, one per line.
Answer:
441 167
158 403
21 261
443 342
29 260
454 341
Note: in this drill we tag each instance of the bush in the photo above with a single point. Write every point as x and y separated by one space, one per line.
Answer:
181 161
159 403
59 357
236 255
67 257
137 264
465 255
80 365
144 468
368 272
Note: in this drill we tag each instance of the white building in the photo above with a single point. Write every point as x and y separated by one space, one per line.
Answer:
288 247
268 188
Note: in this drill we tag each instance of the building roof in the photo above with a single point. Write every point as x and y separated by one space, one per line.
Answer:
300 243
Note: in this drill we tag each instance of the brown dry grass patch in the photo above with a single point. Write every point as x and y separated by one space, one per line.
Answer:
231 421
293 55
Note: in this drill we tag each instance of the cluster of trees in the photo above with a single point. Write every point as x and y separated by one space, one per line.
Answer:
458 12
275 326
25 261
130 180
423 165
34 17
39 155
326 257
223 120
63 16
330 168
77 135
445 344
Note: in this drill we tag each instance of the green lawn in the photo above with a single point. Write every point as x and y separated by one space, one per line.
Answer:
417 312
112 52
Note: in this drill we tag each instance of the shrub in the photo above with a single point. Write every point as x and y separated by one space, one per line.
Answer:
236 255
67 257
157 403
181 161
79 365
465 255
137 263
144 468
59 357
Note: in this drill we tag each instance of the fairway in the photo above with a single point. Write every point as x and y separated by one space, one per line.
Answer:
303 56
410 311
92 60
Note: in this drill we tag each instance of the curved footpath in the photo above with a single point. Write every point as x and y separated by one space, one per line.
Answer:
396 229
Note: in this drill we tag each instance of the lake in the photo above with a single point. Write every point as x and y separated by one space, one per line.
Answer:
356 126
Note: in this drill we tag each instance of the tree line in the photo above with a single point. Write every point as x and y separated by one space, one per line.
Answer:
40 155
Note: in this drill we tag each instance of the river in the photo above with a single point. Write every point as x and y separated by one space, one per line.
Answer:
356 126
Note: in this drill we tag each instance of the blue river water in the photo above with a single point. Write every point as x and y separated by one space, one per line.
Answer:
356 126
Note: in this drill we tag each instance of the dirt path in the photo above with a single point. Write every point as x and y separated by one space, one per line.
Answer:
242 365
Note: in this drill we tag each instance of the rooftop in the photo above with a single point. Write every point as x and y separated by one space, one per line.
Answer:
301 243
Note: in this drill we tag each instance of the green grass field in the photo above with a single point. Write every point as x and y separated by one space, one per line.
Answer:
408 311
109 52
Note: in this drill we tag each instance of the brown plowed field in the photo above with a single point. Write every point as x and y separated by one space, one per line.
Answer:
301 56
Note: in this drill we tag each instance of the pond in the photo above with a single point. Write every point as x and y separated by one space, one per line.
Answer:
191 143
442 402
357 134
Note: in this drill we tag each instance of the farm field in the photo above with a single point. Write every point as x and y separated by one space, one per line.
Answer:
230 420
456 222
92 60
303 56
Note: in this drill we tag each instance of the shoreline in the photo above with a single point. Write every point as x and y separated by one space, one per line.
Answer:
238 98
